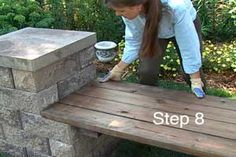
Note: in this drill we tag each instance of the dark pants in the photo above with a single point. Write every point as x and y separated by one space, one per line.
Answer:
149 67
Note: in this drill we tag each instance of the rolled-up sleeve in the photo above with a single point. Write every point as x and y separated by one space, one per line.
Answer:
133 40
187 40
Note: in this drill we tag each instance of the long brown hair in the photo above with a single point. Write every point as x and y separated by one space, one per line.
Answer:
153 16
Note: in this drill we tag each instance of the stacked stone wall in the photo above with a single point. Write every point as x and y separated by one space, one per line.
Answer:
25 93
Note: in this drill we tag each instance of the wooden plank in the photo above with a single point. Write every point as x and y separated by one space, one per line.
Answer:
161 136
211 127
168 94
160 104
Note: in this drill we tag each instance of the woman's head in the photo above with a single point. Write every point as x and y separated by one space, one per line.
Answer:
127 8
128 12
152 10
124 3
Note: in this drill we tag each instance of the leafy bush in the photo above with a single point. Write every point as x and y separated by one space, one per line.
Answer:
218 18
59 10
19 14
216 57
93 15
85 15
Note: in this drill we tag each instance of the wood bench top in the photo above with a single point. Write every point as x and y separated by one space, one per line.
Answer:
127 110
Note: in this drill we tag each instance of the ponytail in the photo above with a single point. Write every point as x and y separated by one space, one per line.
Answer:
150 44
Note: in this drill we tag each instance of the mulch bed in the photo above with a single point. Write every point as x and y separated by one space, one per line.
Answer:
225 80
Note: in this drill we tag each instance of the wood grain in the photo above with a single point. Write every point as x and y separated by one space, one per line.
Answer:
161 136
126 110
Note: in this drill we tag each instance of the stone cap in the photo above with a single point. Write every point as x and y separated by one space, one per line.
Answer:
33 48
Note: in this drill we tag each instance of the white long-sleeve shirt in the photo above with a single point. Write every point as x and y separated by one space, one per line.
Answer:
177 21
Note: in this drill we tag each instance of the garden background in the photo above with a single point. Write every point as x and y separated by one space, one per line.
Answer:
218 19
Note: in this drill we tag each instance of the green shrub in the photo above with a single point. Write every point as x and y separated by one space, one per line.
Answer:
58 10
93 15
216 57
217 16
85 15
218 19
23 13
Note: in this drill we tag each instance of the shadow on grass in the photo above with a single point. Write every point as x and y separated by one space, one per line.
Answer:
133 149
4 155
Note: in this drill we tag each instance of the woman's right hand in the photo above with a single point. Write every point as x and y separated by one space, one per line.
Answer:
197 87
115 74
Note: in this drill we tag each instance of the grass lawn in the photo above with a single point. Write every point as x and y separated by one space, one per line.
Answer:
184 87
133 149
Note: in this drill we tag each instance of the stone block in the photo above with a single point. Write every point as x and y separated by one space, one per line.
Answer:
26 101
12 150
87 56
33 153
2 135
13 135
24 80
47 76
87 155
104 146
10 117
38 144
68 86
88 146
85 144
60 149
76 81
86 75
6 79
97 153
105 141
22 138
37 125
31 49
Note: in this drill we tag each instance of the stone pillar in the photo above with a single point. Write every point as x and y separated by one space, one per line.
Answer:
37 68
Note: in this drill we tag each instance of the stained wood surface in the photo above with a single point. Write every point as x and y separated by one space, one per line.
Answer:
126 110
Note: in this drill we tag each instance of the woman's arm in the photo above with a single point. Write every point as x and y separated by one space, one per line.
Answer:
189 45
133 39
187 40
